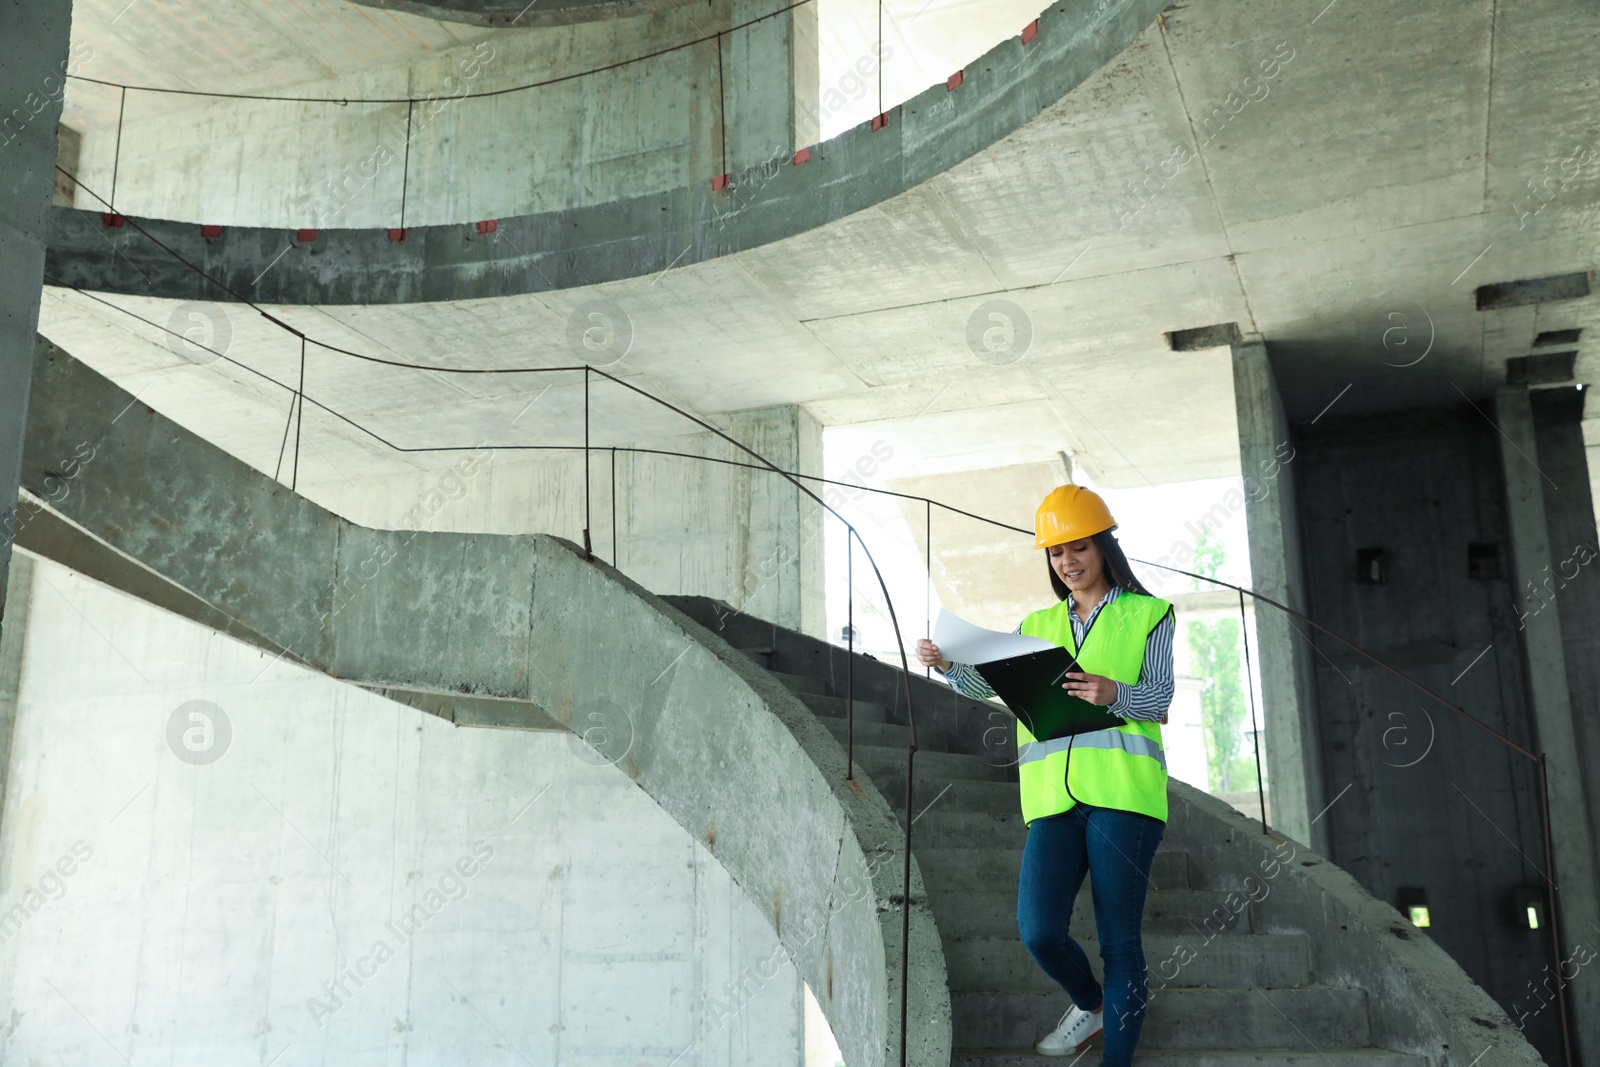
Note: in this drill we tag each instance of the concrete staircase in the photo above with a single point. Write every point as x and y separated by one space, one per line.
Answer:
1279 946
1249 996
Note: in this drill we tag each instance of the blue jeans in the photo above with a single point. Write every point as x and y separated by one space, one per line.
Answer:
1118 847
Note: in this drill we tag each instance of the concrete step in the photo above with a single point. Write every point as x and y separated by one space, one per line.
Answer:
970 795
834 707
761 654
801 683
993 912
932 765
1274 1057
947 870
1280 961
930 738
938 826
1309 1018
890 735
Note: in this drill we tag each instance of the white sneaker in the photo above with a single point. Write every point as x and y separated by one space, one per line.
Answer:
1073 1032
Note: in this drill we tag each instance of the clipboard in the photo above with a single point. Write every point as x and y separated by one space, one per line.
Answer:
1030 685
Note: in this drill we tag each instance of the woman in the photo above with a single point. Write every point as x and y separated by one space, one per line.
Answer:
1093 802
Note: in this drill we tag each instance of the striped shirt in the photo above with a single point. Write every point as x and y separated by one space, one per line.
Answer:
1148 700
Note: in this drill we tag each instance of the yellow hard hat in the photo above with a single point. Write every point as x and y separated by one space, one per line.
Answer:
1070 513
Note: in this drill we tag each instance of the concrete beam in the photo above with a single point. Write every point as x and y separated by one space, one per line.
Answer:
1266 454
1544 651
516 14
33 58
45 533
629 235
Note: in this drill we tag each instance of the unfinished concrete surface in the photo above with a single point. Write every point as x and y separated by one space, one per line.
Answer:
1419 999
424 122
730 754
1266 456
1416 531
629 172
31 85
332 878
1260 951
698 515
1344 203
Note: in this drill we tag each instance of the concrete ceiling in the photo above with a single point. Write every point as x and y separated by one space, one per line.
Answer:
1345 208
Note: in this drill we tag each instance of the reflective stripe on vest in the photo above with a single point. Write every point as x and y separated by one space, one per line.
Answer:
1136 744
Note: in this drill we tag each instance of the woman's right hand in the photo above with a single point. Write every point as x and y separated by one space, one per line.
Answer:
928 654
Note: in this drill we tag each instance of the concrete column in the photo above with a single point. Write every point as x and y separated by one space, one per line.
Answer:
1545 655
33 54
1266 454
777 555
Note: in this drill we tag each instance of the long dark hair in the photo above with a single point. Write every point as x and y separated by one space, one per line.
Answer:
1111 558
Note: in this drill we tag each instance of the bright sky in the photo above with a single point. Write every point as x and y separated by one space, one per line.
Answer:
924 42
1162 521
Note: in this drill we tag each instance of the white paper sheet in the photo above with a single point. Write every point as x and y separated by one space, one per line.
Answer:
963 642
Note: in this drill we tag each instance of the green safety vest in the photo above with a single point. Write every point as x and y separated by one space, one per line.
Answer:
1121 767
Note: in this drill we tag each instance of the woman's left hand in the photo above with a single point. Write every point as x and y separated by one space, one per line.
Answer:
1095 688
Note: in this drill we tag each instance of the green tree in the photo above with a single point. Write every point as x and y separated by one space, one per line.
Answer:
1215 658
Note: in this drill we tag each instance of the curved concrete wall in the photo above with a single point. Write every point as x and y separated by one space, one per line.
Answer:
628 235
730 754
522 123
